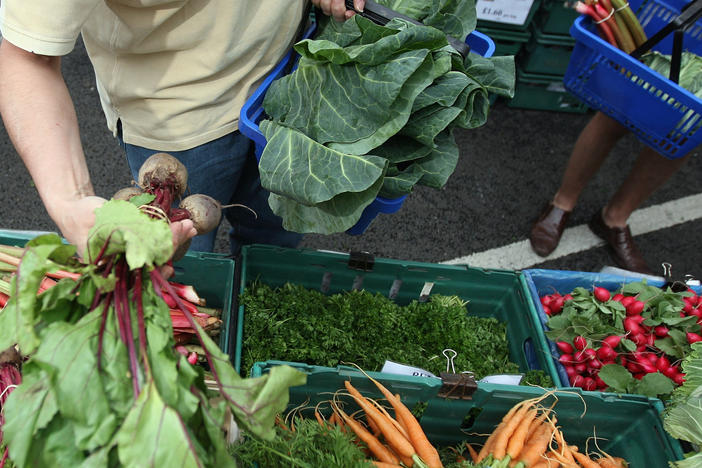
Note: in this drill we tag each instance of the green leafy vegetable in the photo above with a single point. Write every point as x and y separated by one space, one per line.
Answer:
370 110
103 385
367 329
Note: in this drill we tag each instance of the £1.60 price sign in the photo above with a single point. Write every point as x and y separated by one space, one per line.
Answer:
504 11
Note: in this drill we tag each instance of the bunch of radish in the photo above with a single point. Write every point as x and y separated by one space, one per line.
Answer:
583 357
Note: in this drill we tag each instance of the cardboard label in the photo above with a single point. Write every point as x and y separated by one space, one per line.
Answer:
396 368
504 11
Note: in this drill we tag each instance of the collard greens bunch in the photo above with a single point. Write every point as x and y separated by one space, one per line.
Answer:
370 111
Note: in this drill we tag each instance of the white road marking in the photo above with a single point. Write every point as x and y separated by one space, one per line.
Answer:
518 255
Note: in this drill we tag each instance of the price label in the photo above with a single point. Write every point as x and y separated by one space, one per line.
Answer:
402 369
504 379
504 11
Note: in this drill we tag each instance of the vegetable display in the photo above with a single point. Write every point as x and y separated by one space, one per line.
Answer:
370 111
307 326
107 338
631 341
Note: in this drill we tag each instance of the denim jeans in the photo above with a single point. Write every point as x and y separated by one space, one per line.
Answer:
226 169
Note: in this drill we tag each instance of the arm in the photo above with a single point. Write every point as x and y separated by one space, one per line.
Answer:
41 121
337 8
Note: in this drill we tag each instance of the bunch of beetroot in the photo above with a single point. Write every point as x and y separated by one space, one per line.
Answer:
625 330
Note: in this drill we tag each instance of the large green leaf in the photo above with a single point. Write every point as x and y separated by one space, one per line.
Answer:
310 173
454 17
154 435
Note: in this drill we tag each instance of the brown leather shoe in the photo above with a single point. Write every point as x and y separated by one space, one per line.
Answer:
620 244
548 229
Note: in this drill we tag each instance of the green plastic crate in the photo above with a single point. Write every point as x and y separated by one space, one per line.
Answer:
546 54
511 27
212 276
555 18
543 92
491 293
506 42
629 427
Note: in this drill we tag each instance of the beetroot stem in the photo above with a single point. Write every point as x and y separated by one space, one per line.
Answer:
122 303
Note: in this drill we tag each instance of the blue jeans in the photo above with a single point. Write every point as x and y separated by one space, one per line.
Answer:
226 169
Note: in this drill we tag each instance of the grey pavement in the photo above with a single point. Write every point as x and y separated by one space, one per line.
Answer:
508 169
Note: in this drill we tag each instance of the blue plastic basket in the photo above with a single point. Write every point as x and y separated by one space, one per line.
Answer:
252 113
541 282
663 115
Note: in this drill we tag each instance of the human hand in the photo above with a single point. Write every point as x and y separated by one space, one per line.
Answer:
337 8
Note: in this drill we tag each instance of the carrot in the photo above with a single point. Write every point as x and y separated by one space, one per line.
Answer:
487 447
585 461
473 453
319 417
518 438
499 450
374 445
415 433
380 464
612 462
394 438
373 426
565 449
395 422
537 445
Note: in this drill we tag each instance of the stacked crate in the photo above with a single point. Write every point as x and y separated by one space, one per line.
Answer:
542 45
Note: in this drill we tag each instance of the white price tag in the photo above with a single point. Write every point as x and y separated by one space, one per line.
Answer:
504 379
504 11
396 368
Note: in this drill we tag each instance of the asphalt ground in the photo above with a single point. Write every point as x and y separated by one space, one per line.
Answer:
508 170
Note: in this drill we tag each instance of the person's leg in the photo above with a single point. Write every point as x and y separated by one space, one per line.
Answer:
214 169
263 228
591 149
589 152
650 172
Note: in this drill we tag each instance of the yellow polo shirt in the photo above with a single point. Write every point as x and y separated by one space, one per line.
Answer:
175 72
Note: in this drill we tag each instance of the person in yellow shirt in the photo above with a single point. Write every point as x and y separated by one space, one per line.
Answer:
172 77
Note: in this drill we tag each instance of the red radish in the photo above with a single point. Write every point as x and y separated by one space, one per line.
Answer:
570 370
601 294
687 308
693 337
581 356
580 368
661 331
566 359
580 342
635 308
612 340
662 363
638 319
546 300
565 347
697 312
192 358
590 353
606 353
647 366
670 372
626 302
600 383
547 310
578 381
679 378
557 305
632 327
634 367
596 364
618 297
568 297
639 375
589 384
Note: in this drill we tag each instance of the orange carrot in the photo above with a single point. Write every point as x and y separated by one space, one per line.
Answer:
373 426
537 446
487 447
499 450
415 433
518 437
380 464
585 461
473 453
374 445
394 438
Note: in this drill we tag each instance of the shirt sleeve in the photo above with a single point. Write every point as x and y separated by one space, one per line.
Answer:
45 27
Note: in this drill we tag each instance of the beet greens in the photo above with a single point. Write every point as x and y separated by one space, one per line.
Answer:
103 384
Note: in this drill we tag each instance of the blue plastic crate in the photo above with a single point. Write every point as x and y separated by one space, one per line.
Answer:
539 282
252 113
663 115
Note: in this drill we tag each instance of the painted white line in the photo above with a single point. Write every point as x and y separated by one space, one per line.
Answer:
576 239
